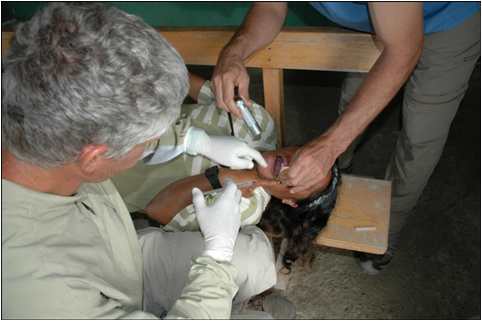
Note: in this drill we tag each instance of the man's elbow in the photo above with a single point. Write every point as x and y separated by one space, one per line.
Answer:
418 48
405 53
155 214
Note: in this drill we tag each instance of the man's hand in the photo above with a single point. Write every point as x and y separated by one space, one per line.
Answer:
262 23
230 72
219 222
310 166
232 152
225 150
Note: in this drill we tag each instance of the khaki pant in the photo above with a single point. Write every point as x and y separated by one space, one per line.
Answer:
168 257
431 98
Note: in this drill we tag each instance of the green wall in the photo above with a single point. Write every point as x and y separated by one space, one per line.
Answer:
193 14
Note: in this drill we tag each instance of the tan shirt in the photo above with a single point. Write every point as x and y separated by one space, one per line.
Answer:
79 257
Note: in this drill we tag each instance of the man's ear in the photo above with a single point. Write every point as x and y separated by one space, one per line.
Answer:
91 158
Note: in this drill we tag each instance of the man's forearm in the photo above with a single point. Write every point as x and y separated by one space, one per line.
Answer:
177 196
195 84
382 83
399 27
261 25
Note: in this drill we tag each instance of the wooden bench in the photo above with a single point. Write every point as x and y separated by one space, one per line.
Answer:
360 219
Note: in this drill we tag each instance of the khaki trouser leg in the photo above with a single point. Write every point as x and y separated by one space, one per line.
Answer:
167 259
431 99
350 85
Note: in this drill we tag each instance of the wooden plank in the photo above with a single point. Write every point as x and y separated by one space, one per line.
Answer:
361 218
274 98
318 48
301 48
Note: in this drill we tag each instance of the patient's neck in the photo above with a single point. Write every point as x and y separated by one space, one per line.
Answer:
56 180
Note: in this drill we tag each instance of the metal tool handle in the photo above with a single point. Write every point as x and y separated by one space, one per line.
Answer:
249 119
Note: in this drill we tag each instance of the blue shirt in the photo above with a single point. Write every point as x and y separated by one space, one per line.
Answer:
438 16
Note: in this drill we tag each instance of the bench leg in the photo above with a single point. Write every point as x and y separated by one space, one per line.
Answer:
274 98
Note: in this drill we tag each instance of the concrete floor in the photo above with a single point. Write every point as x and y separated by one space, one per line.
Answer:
436 271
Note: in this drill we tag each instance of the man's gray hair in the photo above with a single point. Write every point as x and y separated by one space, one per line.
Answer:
87 74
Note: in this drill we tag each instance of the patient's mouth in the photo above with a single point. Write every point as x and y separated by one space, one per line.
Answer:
279 164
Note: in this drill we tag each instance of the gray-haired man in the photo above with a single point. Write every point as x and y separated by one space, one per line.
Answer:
84 88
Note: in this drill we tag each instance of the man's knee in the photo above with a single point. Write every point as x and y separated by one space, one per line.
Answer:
151 240
254 249
254 259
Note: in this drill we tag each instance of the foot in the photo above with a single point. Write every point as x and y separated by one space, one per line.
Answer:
371 263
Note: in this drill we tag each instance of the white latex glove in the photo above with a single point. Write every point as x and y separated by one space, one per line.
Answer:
219 222
225 150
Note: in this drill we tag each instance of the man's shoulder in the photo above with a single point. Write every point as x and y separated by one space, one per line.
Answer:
18 206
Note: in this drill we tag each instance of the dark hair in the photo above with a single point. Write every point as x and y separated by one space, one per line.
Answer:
300 225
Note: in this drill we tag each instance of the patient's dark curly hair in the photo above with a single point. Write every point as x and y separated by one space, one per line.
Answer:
300 225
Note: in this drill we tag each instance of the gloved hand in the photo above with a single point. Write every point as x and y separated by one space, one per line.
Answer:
219 222
225 150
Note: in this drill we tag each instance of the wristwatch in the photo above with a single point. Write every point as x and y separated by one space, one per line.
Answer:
212 174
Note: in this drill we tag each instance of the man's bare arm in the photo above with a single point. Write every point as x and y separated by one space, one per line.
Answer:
261 25
399 27
176 196
195 84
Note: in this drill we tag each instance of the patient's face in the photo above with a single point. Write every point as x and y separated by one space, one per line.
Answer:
273 169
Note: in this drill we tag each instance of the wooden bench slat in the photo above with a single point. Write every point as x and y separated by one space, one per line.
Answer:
274 98
362 203
305 49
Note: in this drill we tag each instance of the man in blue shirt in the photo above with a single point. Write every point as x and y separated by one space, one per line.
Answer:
431 48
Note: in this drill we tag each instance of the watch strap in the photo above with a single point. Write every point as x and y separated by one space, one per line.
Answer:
212 174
